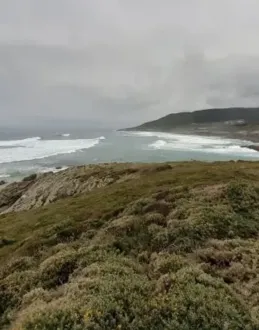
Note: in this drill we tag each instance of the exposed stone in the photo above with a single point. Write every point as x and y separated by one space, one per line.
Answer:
4 242
31 177
11 193
43 189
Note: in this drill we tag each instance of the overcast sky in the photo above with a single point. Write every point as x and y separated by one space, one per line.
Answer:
122 62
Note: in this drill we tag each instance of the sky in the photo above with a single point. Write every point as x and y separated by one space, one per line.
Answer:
122 62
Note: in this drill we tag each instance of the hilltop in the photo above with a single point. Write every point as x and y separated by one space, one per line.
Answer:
217 115
132 246
229 122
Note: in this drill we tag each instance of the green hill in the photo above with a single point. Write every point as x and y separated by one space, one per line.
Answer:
158 246
174 120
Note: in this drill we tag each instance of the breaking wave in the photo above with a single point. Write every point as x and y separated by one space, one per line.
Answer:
37 148
195 143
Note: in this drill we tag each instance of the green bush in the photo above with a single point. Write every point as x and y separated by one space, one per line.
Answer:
194 300
166 263
55 270
155 218
234 261
12 289
158 207
219 222
243 196
51 316
138 207
17 264
36 295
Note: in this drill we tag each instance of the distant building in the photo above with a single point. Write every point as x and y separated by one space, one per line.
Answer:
239 122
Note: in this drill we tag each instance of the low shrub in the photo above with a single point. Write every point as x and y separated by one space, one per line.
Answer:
166 263
191 299
17 264
56 270
55 315
12 289
155 218
243 196
158 207
138 207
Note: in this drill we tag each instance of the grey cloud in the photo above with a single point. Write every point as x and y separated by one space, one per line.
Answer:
125 61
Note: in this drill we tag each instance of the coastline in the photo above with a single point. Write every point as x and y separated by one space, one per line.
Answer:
248 133
193 130
42 189
11 179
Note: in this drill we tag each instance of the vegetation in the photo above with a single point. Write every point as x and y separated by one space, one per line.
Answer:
173 120
173 247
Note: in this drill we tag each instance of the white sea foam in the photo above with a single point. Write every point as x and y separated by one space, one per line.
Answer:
184 142
215 149
158 144
65 134
19 143
52 169
36 148
20 171
187 138
4 176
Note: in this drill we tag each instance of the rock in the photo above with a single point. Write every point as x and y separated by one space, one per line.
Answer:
4 242
31 177
58 167
40 190
11 193
2 182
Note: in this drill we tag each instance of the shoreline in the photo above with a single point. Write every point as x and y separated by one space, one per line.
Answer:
252 144
249 137
9 179
38 175
39 190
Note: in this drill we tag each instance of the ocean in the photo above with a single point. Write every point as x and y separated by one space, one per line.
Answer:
23 152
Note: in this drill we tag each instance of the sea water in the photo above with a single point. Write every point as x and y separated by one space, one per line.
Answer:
33 151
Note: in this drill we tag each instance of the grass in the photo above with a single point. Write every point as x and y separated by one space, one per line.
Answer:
175 246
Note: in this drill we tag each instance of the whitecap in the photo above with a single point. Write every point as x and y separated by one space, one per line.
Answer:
52 169
196 143
19 143
189 138
158 144
35 148
3 176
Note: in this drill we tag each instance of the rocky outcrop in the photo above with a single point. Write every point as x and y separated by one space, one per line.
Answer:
10 194
41 190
